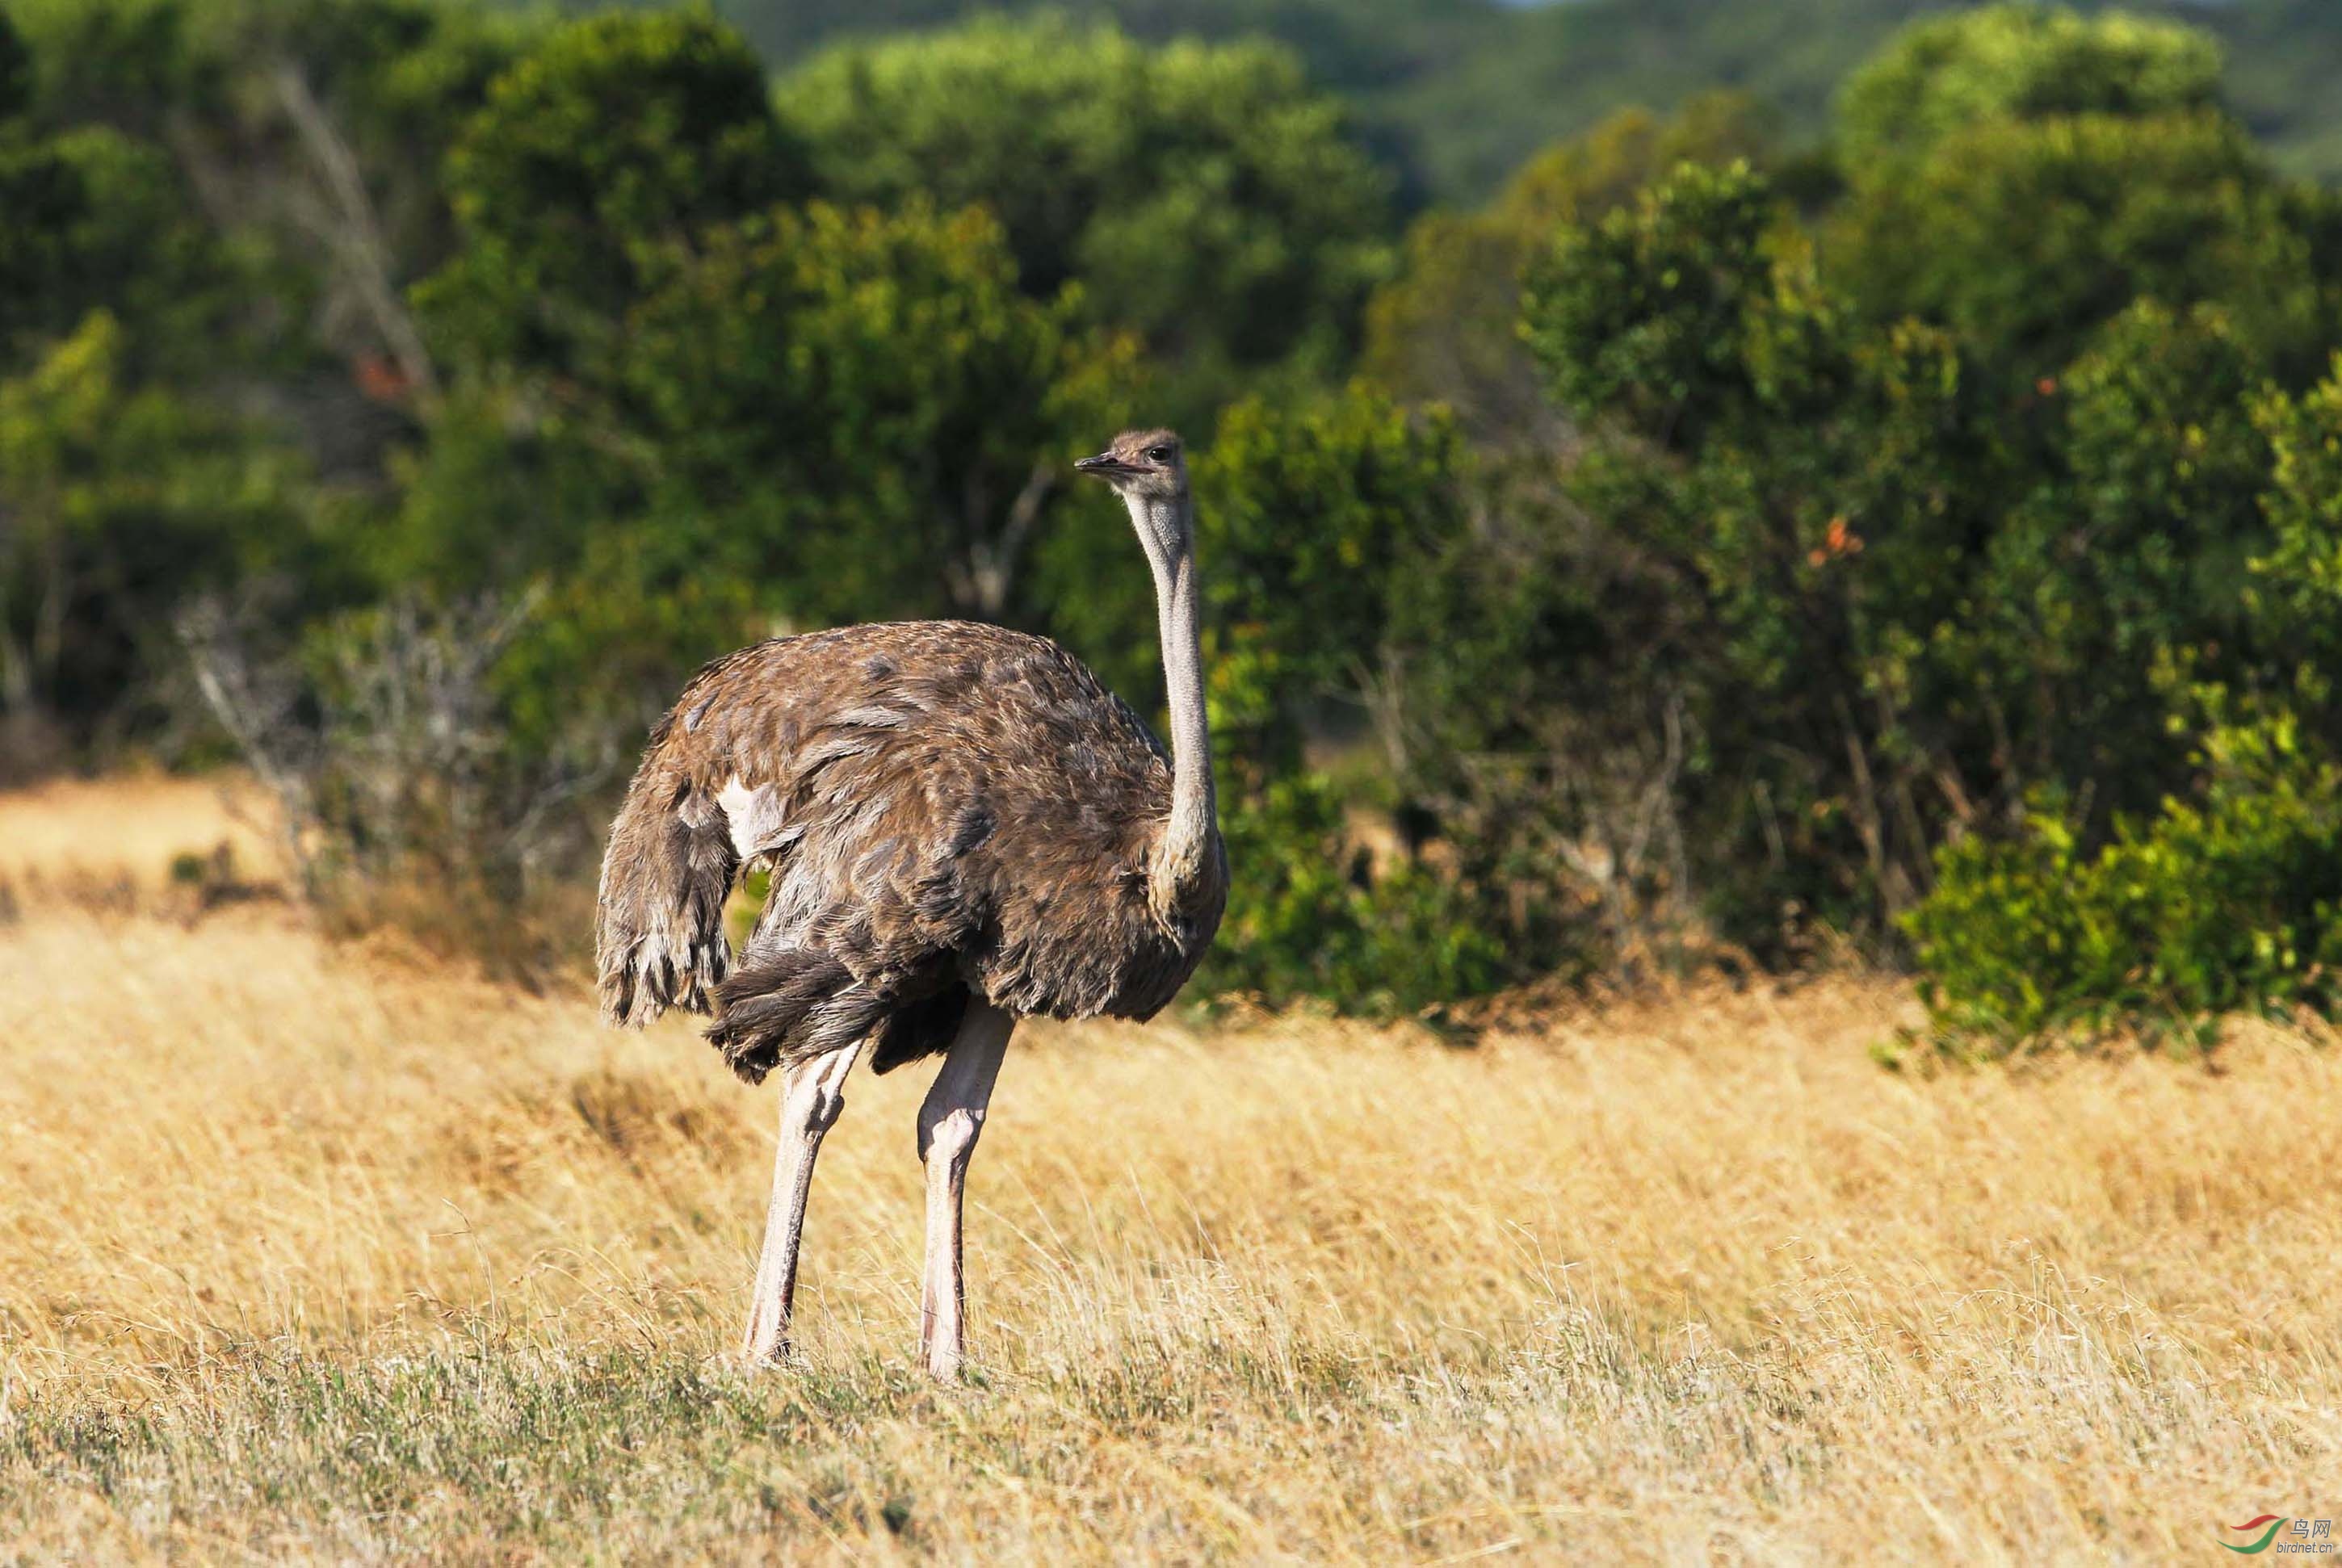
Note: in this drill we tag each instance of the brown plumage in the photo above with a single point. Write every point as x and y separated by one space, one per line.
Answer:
945 808
963 826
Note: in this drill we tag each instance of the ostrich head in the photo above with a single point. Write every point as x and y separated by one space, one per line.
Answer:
1148 470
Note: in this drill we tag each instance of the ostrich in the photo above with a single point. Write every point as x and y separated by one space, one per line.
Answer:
963 826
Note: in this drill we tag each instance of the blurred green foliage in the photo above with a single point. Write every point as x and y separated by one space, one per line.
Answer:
1459 93
1718 548
2021 62
121 501
2023 235
1447 327
1203 195
609 145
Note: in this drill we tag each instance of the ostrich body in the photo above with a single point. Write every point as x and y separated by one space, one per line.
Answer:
963 827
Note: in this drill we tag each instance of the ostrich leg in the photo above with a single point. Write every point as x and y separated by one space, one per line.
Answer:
817 1093
949 1123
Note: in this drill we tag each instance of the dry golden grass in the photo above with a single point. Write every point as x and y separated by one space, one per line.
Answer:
317 1252
126 831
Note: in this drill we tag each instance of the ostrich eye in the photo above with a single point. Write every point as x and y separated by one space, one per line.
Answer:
1159 453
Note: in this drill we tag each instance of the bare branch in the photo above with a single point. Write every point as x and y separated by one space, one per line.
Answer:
356 232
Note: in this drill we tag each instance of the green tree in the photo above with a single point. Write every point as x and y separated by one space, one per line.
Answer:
2022 63
1317 520
1311 519
124 483
15 72
2020 175
2023 236
2224 895
1205 196
607 145
116 502
41 199
2301 575
823 415
862 411
134 244
299 143
608 159
1447 326
2130 559
1811 495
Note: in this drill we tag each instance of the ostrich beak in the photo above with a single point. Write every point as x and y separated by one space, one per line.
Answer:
1105 465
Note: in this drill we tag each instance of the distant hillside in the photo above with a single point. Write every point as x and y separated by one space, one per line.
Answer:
1458 91
1555 69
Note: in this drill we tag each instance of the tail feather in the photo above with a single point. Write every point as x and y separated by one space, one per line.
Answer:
659 938
926 1027
788 1008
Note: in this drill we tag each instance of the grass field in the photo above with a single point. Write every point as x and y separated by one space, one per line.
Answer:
318 1251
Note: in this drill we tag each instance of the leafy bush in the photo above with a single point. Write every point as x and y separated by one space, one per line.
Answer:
1308 918
2225 899
2228 905
387 735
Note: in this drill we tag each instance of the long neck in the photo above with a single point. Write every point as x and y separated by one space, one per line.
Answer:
1185 856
